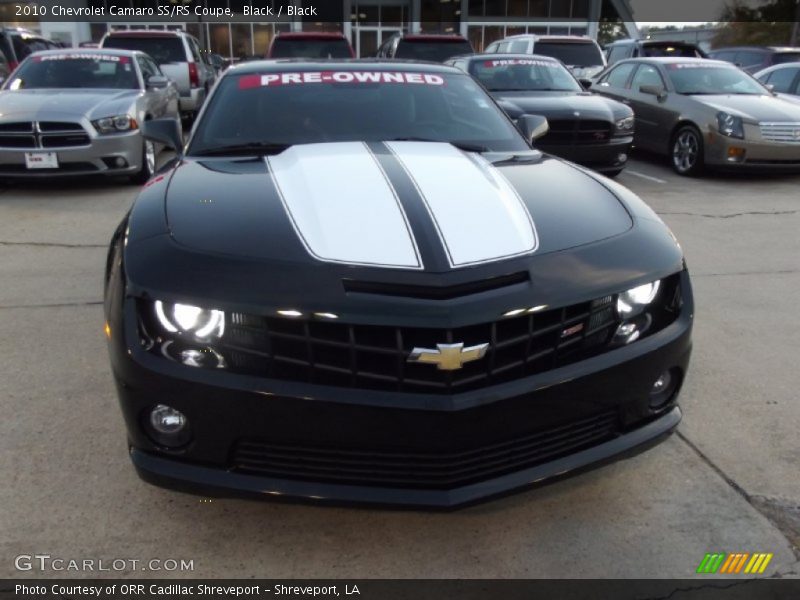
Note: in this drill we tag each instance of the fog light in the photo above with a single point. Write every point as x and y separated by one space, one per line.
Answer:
167 420
663 389
622 157
121 162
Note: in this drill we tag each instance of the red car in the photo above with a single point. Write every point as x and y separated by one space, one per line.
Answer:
310 44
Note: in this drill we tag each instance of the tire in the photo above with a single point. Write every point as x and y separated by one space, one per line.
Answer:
148 164
613 173
686 151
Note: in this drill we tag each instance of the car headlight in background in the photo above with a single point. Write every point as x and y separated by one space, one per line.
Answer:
202 323
115 124
624 126
730 126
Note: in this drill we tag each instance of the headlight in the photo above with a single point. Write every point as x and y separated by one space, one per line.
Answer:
115 124
730 126
635 300
202 323
625 125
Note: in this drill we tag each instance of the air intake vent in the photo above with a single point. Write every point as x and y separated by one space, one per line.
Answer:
426 292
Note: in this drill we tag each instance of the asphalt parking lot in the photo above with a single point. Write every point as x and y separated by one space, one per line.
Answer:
728 481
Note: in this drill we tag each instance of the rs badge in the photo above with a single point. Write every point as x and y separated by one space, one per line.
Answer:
448 357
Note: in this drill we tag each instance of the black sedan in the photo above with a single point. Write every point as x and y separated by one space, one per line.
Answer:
584 127
363 285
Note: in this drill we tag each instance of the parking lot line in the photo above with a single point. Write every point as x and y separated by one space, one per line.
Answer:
643 176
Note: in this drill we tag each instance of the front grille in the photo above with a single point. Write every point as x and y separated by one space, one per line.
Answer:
577 131
781 132
43 134
376 357
422 470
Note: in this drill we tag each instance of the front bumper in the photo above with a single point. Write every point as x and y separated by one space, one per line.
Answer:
97 158
340 439
600 157
751 154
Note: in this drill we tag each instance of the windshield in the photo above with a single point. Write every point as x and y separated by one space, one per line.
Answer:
672 50
432 50
711 78
163 49
573 54
310 48
785 57
523 74
278 109
75 71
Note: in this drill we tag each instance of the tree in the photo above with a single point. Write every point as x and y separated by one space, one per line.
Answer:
774 23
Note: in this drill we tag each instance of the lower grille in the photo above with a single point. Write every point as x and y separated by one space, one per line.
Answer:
781 132
414 469
62 168
563 131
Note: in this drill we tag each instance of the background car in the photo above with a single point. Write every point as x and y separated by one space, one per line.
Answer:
18 43
756 58
583 127
424 46
438 312
621 49
4 67
80 112
582 55
179 57
705 112
782 79
310 44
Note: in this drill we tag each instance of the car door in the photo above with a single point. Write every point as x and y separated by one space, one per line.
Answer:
155 99
614 83
653 115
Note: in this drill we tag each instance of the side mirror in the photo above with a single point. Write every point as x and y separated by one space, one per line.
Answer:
157 82
533 127
166 132
585 83
770 86
654 90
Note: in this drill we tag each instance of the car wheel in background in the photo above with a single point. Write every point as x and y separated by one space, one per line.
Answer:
686 151
613 173
148 163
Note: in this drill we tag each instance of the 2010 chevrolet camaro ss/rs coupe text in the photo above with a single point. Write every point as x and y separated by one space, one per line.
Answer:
358 283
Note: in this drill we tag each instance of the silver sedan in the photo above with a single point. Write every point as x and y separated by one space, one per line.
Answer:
79 112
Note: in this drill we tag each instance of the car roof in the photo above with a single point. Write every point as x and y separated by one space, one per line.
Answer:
105 51
549 38
508 55
669 60
305 64
310 35
763 48
144 33
433 37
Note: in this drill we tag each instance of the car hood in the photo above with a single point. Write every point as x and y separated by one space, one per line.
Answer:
44 104
563 104
753 108
402 205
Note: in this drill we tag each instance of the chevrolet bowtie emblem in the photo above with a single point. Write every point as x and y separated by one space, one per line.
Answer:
448 357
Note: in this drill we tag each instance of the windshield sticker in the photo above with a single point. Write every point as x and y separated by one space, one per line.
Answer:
311 77
699 65
103 57
520 61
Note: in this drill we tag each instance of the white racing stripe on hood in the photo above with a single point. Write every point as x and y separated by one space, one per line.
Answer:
478 213
342 205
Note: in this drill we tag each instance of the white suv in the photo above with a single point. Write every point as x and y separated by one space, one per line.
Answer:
581 54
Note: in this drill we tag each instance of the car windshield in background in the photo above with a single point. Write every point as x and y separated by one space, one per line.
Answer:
278 109
671 50
163 49
573 54
709 78
786 57
288 48
431 50
75 71
523 74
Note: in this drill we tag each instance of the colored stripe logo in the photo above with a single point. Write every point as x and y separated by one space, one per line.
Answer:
734 563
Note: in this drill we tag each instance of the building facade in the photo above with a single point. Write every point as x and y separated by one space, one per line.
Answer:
365 22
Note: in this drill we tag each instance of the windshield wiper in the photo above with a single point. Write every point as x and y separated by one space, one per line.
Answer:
246 148
465 146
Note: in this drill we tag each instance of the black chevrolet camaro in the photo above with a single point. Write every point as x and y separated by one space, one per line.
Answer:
587 128
357 282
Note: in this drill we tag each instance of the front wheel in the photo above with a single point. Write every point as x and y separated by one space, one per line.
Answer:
687 151
148 164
